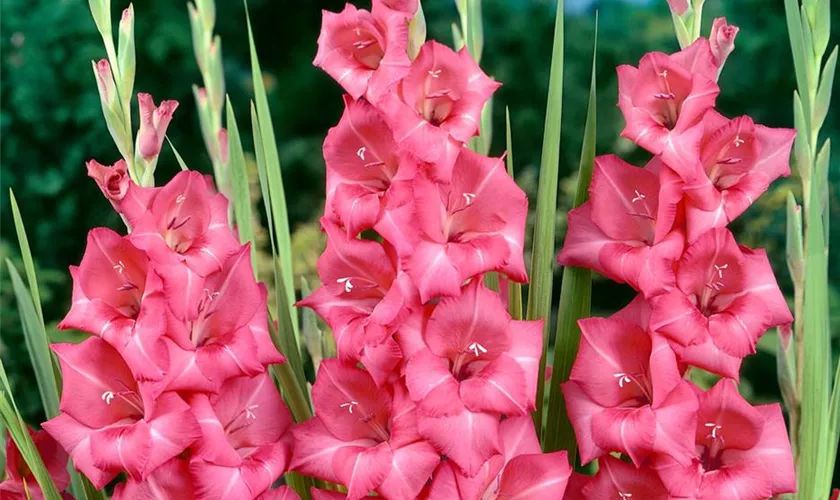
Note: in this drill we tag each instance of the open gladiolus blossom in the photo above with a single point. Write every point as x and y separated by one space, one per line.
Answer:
431 393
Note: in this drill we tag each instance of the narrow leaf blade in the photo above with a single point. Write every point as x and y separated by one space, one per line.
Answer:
514 288
239 182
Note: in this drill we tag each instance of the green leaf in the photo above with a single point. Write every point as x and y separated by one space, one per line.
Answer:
239 182
313 336
794 247
514 288
178 157
457 37
542 254
814 428
575 294
833 424
37 344
801 146
797 45
822 28
20 435
473 29
277 196
26 254
823 100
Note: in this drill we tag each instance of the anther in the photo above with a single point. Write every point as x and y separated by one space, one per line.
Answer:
665 95
119 267
348 285
738 141
623 378
639 196
434 73
349 405
715 428
475 347
180 199
107 396
361 152
469 198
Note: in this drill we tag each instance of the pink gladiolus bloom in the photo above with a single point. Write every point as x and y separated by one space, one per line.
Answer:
170 480
618 480
626 394
362 165
722 40
217 326
362 436
364 52
154 120
738 162
724 292
474 224
20 483
478 364
625 230
118 297
245 445
665 96
742 452
110 422
113 181
184 222
522 472
437 106
407 6
678 7
364 298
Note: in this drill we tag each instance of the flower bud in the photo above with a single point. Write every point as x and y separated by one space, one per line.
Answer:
678 7
722 40
105 82
126 57
112 181
153 124
101 12
416 33
223 146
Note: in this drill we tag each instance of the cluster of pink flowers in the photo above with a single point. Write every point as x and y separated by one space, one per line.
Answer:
171 388
703 300
434 383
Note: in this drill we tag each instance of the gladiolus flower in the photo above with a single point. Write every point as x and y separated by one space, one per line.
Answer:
618 480
113 181
665 96
364 52
461 229
110 422
364 298
118 297
245 445
625 230
478 364
722 40
184 222
522 472
154 120
437 106
20 483
362 436
362 164
217 327
626 394
724 292
738 162
742 452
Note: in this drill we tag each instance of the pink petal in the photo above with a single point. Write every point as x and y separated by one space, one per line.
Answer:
468 438
411 467
531 477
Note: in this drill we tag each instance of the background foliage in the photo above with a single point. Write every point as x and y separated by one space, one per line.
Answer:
51 120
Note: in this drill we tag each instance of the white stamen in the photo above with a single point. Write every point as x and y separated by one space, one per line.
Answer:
358 33
180 199
475 347
623 378
715 428
738 141
664 73
720 269
108 396
361 152
349 406
469 198
639 196
348 285
434 73
119 267
625 496
249 412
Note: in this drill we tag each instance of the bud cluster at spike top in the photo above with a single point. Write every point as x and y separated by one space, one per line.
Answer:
703 300
432 391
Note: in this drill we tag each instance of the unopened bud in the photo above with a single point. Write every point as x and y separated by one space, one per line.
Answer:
223 146
126 58
101 12
105 82
678 7
153 124
722 40
416 33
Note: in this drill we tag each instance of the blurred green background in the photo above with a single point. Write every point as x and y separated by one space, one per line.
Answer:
51 121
